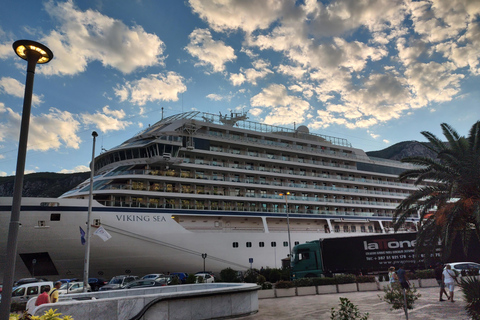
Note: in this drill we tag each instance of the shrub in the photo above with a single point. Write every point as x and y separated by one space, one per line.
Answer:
304 282
250 276
229 275
267 285
191 278
471 290
344 278
284 284
272 275
323 281
425 274
261 279
49 315
347 311
364 279
394 296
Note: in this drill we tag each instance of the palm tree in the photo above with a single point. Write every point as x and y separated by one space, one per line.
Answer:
449 200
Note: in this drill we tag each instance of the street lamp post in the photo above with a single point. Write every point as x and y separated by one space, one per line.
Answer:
288 224
204 256
86 265
34 53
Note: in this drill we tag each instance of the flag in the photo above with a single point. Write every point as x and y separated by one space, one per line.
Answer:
102 233
82 236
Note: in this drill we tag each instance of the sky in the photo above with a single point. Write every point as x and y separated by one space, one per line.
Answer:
375 72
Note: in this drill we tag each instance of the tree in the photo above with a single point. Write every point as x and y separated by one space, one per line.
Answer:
448 200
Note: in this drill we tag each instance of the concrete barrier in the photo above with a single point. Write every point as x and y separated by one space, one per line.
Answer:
194 301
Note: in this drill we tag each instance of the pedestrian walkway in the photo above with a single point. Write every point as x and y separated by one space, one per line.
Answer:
318 307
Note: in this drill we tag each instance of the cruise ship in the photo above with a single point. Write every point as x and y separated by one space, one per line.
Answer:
201 191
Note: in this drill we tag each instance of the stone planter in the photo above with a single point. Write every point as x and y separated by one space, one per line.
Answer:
415 283
346 287
266 294
306 291
290 292
428 283
367 286
327 289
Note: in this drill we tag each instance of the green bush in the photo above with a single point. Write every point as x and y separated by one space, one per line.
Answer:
284 284
304 282
323 281
471 290
191 278
394 296
261 279
364 279
229 275
250 276
425 274
347 311
344 278
267 285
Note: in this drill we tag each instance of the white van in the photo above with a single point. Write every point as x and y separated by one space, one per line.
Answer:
23 293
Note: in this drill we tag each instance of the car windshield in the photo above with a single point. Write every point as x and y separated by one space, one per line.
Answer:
116 281
150 276
64 286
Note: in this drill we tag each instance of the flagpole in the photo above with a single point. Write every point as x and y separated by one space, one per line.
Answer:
90 200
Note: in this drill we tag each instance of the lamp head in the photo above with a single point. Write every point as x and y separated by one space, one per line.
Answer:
24 47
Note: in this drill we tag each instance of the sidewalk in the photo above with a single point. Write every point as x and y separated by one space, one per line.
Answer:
318 307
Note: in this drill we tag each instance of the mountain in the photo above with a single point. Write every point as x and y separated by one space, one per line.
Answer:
402 150
43 184
49 184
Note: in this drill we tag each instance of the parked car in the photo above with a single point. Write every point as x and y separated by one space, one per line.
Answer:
24 292
461 268
96 283
145 283
207 277
27 280
73 287
118 282
68 280
153 276
182 276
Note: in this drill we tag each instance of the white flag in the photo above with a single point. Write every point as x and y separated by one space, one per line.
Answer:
102 233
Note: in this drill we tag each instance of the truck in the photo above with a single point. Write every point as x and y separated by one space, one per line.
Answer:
368 254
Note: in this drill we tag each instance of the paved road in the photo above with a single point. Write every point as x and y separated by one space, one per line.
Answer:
318 307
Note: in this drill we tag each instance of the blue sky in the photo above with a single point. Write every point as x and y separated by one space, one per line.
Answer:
374 72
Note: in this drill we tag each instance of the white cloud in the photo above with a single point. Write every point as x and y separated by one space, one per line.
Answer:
155 87
47 131
386 141
215 97
85 36
15 88
247 15
281 108
237 79
3 174
208 51
107 120
80 168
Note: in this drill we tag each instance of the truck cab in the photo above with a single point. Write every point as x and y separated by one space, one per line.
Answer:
307 260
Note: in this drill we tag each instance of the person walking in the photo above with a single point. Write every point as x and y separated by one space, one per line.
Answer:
53 294
439 278
449 278
43 298
402 277
392 275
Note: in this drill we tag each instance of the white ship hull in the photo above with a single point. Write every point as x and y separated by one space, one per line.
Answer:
143 241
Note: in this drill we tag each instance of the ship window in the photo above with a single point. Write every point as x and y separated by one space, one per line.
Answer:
362 228
285 243
337 228
96 222
273 244
296 243
353 229
55 217
235 244
249 244
370 229
41 223
261 244
345 228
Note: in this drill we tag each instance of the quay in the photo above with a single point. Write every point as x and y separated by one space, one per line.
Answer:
318 307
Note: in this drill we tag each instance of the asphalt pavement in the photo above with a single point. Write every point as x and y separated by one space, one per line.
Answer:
318 307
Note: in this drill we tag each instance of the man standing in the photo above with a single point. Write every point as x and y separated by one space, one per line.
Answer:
449 277
439 278
53 294
402 277
43 298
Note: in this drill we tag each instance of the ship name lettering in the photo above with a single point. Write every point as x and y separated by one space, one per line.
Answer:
135 218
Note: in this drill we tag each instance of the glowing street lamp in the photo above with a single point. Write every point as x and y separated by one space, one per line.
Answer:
288 223
34 53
